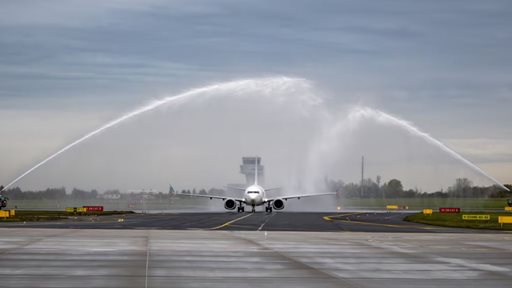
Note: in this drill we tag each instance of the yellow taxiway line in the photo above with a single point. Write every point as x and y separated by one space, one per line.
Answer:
230 222
330 218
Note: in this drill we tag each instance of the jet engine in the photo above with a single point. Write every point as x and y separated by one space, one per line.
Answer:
278 204
230 204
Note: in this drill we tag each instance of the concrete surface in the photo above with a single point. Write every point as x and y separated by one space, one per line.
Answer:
163 258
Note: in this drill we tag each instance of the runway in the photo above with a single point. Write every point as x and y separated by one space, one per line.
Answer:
169 258
280 221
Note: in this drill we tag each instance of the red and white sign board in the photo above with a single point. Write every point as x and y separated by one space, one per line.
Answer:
449 210
93 208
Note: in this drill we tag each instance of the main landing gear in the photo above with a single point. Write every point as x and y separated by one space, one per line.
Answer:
268 208
241 209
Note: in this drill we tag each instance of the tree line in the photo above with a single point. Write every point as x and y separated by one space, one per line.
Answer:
81 194
49 193
462 188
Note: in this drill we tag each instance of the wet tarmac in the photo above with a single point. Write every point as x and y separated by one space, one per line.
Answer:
171 258
280 221
289 249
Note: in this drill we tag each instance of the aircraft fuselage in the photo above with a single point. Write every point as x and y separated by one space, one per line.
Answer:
254 195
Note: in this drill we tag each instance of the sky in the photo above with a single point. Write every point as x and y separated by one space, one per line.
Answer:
68 67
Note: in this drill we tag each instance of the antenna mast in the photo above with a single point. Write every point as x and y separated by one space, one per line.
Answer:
362 177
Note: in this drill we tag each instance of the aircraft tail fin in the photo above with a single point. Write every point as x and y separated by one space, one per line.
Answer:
255 170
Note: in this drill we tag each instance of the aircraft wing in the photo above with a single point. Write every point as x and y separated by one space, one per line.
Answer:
212 196
300 196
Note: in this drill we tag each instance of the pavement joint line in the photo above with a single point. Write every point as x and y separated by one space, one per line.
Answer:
230 222
321 273
35 240
466 263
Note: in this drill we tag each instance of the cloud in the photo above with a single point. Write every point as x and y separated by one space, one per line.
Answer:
444 66
73 13
484 150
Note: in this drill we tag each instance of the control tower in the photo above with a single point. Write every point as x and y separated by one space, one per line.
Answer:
247 169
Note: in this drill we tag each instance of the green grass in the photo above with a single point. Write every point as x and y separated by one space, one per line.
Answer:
420 203
455 220
48 215
108 204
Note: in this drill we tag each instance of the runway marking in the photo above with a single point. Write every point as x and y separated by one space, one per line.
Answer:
230 222
263 224
147 262
329 218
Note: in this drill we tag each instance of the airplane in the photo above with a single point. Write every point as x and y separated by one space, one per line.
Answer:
255 195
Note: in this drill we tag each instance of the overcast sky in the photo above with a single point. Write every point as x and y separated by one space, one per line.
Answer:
67 67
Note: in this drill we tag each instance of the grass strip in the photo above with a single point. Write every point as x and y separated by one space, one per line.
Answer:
455 220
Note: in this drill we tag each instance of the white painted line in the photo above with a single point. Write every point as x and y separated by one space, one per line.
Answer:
147 263
263 224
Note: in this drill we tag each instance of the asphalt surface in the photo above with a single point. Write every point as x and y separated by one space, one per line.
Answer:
260 221
170 258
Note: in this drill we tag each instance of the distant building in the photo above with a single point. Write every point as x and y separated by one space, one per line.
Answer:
111 195
248 169
143 194
143 191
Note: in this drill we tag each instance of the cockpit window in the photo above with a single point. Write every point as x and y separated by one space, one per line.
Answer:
253 192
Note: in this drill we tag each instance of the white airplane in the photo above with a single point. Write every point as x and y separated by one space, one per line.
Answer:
255 195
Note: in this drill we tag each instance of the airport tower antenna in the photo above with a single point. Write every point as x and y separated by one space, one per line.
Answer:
362 177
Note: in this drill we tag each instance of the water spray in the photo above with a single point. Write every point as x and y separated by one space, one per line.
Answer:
265 86
358 113
271 87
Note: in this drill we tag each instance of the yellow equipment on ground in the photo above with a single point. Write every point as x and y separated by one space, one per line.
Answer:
427 211
76 210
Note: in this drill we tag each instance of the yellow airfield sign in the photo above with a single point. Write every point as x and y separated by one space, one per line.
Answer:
427 211
504 220
476 217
